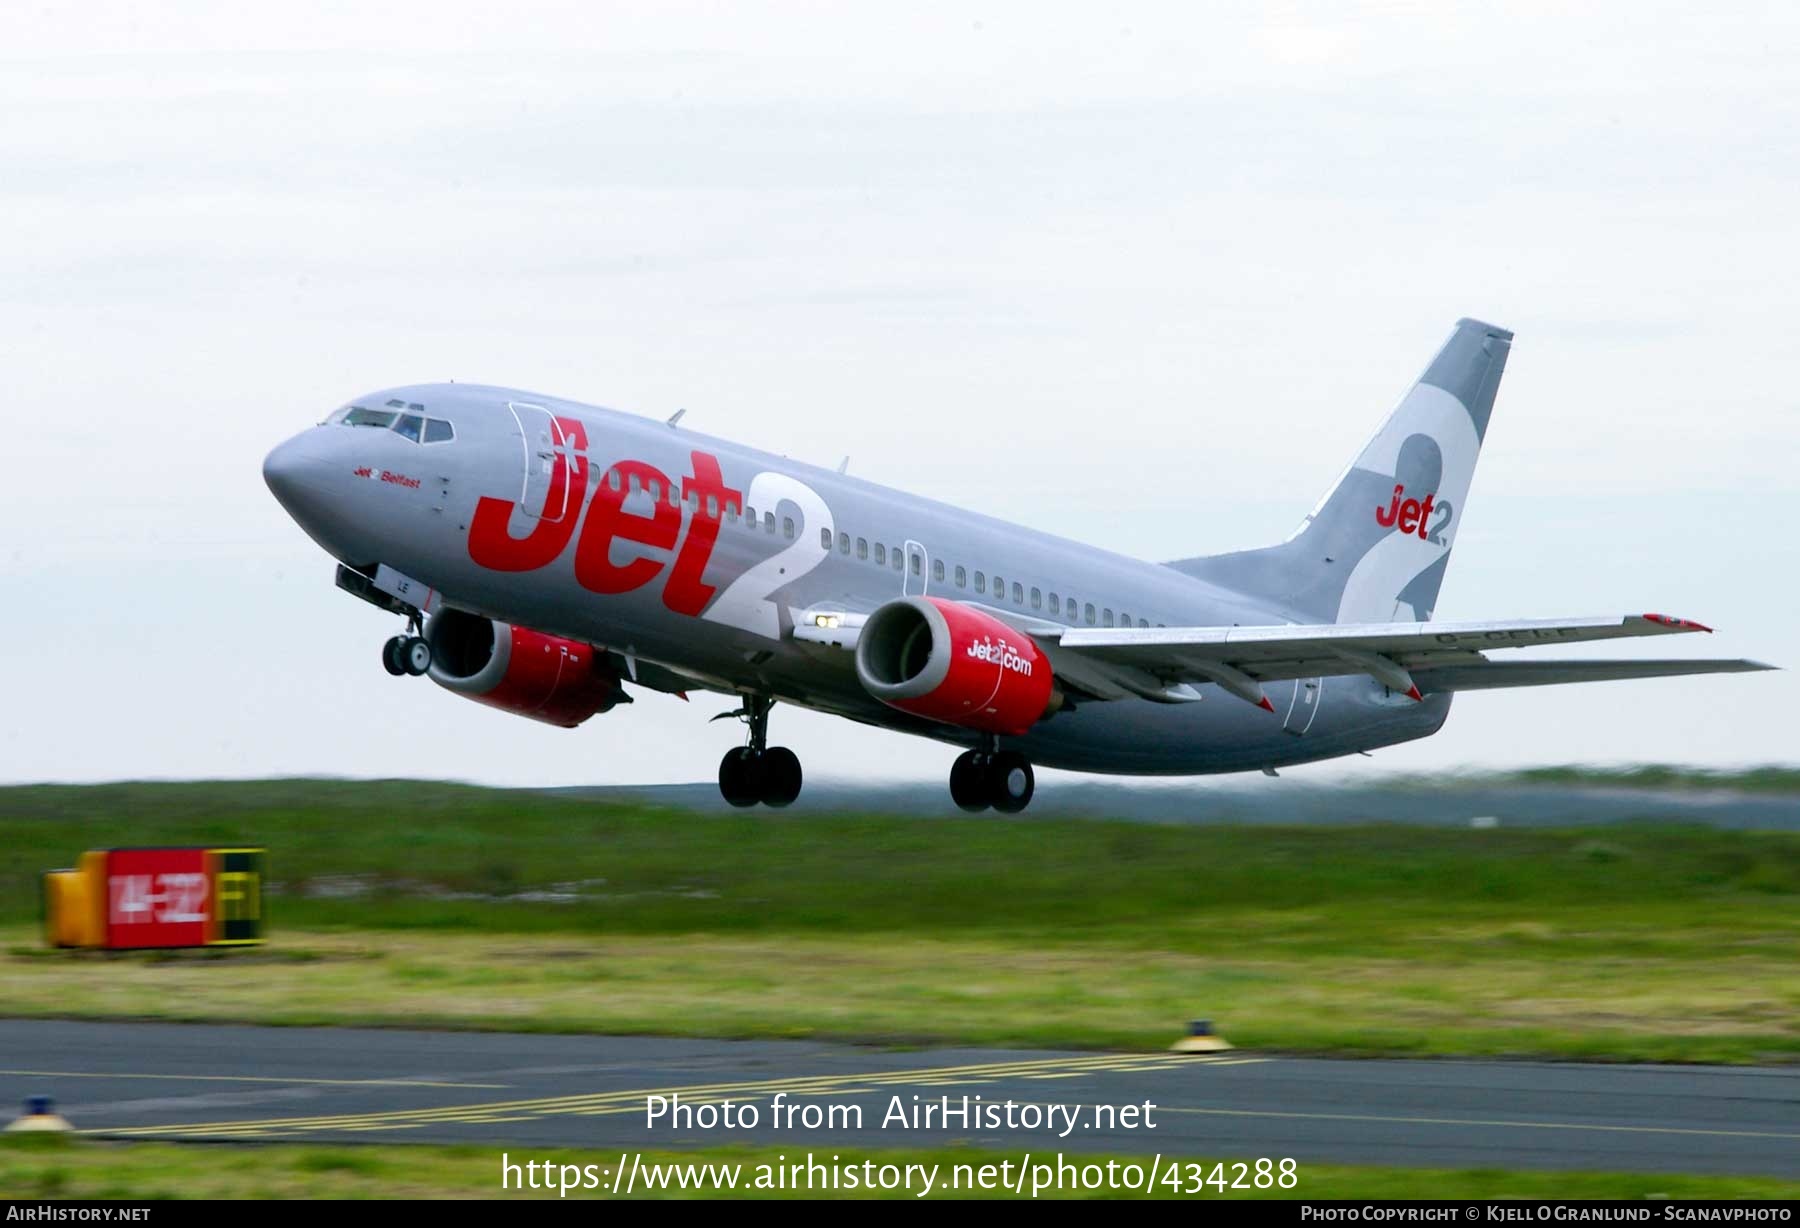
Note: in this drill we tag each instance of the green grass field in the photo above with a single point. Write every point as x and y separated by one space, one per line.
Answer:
428 904
60 1167
1771 779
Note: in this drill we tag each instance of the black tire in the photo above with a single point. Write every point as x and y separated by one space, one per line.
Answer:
968 783
1010 782
740 778
781 777
416 656
390 656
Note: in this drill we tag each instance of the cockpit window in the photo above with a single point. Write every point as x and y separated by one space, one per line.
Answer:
415 427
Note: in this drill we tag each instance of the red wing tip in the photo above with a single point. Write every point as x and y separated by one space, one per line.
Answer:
1686 624
1415 696
1265 705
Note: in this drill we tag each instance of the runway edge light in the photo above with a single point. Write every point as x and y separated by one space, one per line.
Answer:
40 1117
1200 1039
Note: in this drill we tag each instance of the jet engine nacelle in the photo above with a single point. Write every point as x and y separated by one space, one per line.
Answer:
518 670
947 662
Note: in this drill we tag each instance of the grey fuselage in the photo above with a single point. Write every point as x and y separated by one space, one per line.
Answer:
371 496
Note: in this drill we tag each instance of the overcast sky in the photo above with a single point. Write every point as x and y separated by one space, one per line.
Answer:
1147 278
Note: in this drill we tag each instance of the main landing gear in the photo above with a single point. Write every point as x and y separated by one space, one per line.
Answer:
992 777
408 653
757 772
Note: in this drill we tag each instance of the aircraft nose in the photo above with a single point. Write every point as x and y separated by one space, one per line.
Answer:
297 473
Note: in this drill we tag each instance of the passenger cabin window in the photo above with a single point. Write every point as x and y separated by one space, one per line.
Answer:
1037 599
768 522
862 547
712 507
980 582
894 557
612 478
824 539
1106 618
787 527
999 589
1055 605
1018 593
918 565
937 569
843 543
1090 613
880 555
962 576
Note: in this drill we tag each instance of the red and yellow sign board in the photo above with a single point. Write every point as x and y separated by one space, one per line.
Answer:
122 899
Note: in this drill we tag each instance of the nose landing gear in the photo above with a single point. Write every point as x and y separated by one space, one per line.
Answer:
407 654
757 772
1002 779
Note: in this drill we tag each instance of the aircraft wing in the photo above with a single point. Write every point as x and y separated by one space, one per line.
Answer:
1163 663
1486 675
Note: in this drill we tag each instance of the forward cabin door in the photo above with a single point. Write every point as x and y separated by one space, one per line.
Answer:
543 447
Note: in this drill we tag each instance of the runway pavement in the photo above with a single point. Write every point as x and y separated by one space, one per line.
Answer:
173 1081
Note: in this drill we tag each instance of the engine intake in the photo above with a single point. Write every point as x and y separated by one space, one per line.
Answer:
528 673
947 662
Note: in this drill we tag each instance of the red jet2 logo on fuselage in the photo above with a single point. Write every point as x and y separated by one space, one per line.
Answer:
492 545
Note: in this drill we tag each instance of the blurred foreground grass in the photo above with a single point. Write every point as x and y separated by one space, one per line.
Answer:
78 1168
423 904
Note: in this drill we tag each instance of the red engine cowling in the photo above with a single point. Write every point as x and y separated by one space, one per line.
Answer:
528 673
946 662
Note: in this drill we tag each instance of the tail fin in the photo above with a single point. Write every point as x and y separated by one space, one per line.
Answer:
1376 547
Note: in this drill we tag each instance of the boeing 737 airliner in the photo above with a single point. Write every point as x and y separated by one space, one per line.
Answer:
549 555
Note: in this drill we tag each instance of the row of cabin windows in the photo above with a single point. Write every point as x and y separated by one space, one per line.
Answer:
656 491
1067 608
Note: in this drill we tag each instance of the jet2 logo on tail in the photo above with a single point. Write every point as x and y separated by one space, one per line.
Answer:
1413 516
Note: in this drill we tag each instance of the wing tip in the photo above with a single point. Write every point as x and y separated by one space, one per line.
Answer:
1677 624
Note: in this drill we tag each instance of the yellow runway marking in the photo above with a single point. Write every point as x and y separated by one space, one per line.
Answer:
605 1104
1471 1121
198 1078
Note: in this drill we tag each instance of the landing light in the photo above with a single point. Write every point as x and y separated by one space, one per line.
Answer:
828 621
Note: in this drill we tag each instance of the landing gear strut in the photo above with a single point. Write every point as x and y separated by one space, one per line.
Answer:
409 653
992 777
757 772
